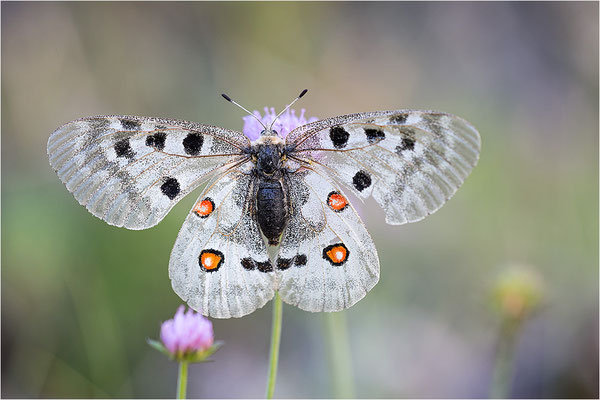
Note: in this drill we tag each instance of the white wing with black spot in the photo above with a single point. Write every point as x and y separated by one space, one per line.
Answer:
130 171
327 260
411 162
219 265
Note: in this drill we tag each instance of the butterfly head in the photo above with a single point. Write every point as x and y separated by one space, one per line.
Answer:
269 132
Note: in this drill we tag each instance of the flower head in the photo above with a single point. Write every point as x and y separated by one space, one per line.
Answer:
287 122
517 292
188 336
186 332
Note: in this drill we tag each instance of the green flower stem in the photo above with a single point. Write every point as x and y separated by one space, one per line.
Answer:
503 368
275 340
339 355
182 380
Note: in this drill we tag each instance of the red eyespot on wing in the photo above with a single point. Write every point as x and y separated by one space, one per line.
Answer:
210 260
336 201
204 208
336 254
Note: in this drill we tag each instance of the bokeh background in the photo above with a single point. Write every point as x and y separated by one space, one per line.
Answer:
79 297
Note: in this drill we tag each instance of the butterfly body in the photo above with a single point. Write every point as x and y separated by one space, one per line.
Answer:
271 208
268 155
130 171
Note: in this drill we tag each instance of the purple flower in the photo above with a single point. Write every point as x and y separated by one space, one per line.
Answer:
187 333
287 122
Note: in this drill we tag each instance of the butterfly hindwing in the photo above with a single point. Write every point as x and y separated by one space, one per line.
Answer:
327 260
130 171
411 162
219 264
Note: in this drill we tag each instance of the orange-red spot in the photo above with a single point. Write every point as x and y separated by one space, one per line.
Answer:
211 260
204 208
337 254
336 201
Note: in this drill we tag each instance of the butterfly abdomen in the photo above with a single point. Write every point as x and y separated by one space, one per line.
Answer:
271 209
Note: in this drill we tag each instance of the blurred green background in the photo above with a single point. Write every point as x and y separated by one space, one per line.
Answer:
79 297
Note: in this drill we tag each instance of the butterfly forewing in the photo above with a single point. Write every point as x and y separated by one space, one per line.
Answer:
411 162
130 171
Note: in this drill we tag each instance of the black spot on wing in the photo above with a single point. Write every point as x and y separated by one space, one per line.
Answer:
130 124
170 188
123 149
192 144
248 264
157 140
264 266
361 180
399 118
284 263
374 135
300 260
407 143
339 137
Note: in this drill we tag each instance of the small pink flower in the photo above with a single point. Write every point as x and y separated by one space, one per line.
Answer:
187 332
287 122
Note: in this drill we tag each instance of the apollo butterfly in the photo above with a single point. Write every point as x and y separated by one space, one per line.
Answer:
285 194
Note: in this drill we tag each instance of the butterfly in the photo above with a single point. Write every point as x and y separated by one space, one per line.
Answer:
274 214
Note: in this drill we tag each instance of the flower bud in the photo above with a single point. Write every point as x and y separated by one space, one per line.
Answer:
186 337
517 292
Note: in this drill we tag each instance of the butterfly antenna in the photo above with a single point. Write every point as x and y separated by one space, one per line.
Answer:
249 113
288 106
